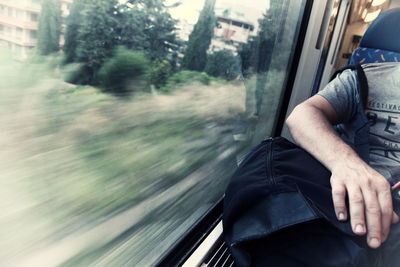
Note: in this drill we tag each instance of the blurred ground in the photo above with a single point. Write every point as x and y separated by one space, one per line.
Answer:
89 178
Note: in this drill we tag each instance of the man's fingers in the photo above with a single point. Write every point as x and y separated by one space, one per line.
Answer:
339 201
386 206
356 203
374 218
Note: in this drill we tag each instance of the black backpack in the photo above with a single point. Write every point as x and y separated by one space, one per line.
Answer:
282 194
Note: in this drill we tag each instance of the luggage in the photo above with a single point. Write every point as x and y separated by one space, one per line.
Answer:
278 208
278 187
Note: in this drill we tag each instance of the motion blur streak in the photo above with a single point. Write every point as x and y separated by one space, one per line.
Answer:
81 170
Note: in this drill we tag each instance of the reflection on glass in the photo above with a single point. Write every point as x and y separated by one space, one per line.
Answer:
122 123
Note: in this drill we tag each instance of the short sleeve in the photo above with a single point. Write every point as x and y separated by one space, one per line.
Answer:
342 94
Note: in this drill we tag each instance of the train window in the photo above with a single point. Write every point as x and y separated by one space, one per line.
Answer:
121 128
332 11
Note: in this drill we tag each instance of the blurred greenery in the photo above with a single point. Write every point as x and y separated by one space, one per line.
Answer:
124 72
185 77
80 156
96 27
49 29
223 64
159 73
89 177
195 56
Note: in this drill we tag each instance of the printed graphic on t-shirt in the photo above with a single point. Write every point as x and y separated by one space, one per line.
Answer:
383 111
384 120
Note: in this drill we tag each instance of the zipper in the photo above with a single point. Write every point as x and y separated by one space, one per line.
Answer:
269 161
268 139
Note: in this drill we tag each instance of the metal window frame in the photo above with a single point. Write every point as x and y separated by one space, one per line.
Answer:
300 75
207 227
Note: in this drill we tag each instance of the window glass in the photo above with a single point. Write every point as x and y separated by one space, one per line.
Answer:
117 140
33 35
327 43
34 17
18 33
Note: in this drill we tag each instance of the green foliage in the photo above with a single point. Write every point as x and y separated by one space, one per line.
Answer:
124 72
95 152
195 57
95 28
247 56
256 55
159 73
186 77
131 30
148 26
74 22
223 64
97 37
269 27
49 27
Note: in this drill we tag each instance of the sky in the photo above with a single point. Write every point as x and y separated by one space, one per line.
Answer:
189 9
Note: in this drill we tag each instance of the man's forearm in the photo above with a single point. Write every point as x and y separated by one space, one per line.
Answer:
368 192
312 130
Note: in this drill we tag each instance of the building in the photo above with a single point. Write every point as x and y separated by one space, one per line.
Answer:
19 21
231 30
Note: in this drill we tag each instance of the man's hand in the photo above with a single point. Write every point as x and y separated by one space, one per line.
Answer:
370 200
369 193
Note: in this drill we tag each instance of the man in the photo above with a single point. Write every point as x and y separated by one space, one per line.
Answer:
367 186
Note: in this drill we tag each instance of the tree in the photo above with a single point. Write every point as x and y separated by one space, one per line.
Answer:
160 35
148 26
246 54
223 64
124 72
74 22
195 57
95 28
159 73
131 27
49 27
263 45
97 37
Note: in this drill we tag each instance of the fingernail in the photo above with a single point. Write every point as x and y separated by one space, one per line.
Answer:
341 216
374 242
359 229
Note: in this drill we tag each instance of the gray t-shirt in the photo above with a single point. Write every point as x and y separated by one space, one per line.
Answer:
383 111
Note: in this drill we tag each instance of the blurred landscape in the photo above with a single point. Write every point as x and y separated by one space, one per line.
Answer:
73 157
117 140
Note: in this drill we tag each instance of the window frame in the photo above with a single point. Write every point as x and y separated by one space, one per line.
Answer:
187 244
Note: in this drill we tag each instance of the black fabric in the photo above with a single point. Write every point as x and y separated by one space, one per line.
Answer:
363 85
278 211
316 243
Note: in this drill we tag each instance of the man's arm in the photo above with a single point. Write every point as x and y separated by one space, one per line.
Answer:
369 193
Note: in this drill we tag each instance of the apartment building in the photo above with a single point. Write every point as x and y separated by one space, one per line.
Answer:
19 21
232 30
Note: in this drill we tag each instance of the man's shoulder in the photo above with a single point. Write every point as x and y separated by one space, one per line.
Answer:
379 67
382 74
